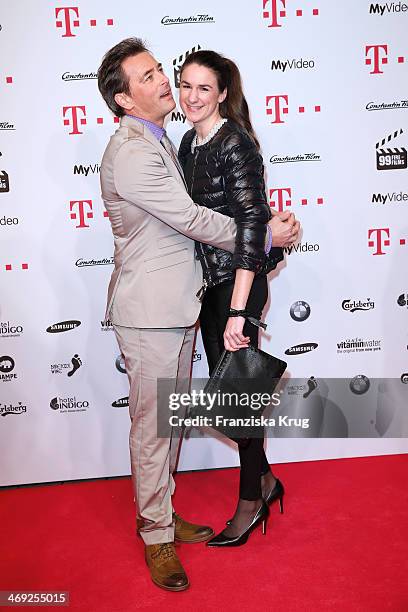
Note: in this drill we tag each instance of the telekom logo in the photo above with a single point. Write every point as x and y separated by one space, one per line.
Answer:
75 117
283 199
67 17
377 56
379 239
278 105
274 10
81 211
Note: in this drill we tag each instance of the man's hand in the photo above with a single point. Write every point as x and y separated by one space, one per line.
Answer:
285 229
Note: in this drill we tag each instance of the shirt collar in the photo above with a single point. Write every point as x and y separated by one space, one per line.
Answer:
156 130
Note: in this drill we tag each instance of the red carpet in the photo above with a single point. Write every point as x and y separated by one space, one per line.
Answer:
341 544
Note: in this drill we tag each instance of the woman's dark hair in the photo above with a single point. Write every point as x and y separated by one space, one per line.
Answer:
111 77
234 106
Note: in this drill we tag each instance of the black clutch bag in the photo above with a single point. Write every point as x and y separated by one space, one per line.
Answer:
239 390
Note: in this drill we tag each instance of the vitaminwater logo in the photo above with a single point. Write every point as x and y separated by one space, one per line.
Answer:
358 345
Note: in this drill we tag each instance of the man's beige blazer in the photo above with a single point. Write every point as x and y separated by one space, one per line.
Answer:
154 223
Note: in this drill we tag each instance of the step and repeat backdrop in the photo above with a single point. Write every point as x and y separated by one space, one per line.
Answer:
326 83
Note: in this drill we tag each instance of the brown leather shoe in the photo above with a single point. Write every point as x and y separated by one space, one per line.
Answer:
185 532
165 567
188 533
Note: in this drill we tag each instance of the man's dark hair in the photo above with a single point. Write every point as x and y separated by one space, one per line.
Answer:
111 77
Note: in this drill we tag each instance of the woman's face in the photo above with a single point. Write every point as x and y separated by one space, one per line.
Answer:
199 94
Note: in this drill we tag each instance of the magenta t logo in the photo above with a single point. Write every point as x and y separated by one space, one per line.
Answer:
66 19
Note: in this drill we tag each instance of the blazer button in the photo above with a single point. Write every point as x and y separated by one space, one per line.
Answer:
197 257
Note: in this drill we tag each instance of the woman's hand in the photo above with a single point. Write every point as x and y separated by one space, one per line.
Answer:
234 339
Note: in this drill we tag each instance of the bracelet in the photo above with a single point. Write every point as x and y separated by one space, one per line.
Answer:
244 313
269 243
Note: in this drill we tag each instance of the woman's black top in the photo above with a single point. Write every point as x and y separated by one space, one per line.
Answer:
227 175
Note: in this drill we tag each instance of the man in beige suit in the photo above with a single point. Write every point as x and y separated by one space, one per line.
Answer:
152 296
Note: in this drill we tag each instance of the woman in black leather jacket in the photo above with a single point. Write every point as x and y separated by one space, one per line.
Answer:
224 171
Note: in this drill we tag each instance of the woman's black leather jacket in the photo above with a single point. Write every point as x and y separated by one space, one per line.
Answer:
226 175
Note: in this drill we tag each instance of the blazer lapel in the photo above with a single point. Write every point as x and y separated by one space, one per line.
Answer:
140 128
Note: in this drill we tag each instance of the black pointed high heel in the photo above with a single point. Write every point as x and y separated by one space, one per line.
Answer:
261 517
276 493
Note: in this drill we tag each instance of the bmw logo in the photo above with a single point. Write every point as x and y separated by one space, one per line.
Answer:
300 311
359 384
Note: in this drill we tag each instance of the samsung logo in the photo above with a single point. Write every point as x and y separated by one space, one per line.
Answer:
299 349
62 327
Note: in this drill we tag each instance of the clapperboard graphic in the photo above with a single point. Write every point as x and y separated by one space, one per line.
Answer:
179 61
391 159
4 181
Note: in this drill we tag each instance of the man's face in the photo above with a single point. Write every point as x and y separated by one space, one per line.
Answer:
150 93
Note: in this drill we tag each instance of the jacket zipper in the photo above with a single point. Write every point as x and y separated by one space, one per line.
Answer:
200 293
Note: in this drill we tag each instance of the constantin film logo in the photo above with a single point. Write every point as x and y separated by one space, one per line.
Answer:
275 12
69 77
86 263
7 409
354 305
291 159
377 106
201 18
67 20
63 326
68 404
390 158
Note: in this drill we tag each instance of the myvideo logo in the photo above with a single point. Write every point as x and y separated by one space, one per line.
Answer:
390 7
388 198
292 64
353 305
302 247
10 409
300 349
178 116
121 402
90 168
64 326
